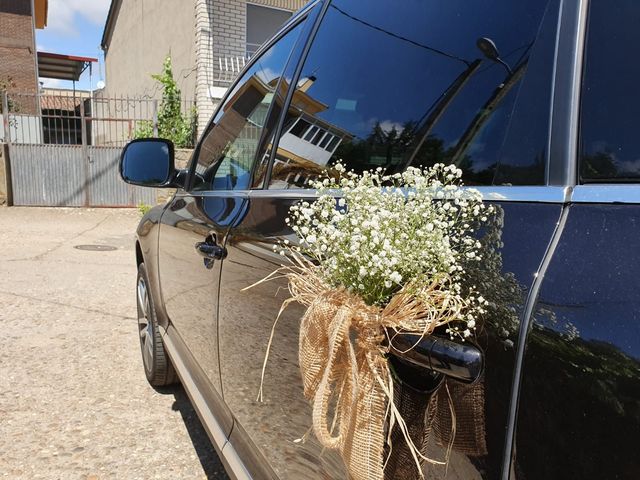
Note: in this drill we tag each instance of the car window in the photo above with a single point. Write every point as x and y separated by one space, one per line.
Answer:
415 88
225 157
609 140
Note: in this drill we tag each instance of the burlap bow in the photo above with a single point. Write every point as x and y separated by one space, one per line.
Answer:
342 355
343 365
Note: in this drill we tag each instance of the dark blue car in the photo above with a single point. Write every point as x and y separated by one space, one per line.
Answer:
534 100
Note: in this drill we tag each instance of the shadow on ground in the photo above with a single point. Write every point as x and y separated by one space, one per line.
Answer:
207 454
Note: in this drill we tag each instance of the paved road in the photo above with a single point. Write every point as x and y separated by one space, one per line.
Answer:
74 402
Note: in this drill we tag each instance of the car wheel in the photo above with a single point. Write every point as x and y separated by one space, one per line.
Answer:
157 365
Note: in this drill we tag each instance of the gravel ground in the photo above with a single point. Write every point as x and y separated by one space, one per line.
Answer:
74 402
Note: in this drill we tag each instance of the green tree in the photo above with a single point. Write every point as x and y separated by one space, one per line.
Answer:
172 123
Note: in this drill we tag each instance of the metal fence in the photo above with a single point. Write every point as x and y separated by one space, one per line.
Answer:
72 176
80 118
64 148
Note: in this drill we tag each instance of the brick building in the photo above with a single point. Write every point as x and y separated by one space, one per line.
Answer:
18 61
209 42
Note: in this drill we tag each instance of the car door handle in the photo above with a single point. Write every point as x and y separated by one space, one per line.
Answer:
462 361
211 251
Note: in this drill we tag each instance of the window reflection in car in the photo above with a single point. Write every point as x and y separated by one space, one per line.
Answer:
425 104
225 156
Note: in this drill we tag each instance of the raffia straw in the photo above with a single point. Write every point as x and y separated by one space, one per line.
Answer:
453 430
354 374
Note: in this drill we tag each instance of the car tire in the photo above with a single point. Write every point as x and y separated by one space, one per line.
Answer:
157 365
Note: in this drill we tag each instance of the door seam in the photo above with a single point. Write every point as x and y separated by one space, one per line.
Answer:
525 324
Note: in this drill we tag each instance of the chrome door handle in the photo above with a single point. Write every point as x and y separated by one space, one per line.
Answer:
211 250
462 361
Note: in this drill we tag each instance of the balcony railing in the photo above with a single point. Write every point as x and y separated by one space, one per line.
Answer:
227 65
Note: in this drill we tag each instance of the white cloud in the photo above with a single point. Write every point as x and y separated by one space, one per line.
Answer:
64 15
60 19
387 125
268 74
50 82
632 166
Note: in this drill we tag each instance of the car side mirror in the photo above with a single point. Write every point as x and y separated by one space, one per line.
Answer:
148 162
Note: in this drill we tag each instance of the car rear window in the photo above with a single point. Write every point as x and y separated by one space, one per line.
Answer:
391 84
609 140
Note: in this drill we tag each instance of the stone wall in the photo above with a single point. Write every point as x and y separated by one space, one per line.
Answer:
182 157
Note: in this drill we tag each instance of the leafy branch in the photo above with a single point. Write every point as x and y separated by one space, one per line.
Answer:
172 123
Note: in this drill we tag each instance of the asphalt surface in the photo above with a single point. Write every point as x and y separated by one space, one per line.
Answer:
74 401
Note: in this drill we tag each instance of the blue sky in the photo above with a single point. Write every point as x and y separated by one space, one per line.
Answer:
74 27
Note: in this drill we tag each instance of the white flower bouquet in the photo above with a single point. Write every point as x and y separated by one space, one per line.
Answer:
379 255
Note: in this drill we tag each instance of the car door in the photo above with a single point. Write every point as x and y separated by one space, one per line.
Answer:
579 414
195 222
389 85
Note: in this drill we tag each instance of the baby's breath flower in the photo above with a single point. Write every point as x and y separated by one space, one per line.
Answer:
387 232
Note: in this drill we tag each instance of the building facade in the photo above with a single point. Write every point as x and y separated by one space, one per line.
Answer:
18 61
209 42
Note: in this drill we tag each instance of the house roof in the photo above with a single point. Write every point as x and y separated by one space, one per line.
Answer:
62 67
109 25
58 102
41 8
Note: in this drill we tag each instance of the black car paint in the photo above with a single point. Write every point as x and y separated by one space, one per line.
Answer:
554 416
189 281
147 252
526 232
257 226
580 400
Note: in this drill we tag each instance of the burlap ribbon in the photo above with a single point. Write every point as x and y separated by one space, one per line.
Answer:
345 373
350 378
449 417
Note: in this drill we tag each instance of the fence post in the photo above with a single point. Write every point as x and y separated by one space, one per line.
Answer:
83 125
4 153
155 118
85 156
5 164
5 117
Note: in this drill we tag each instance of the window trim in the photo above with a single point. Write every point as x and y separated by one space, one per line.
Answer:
295 78
607 193
562 195
298 120
310 133
517 193
293 22
325 140
567 82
